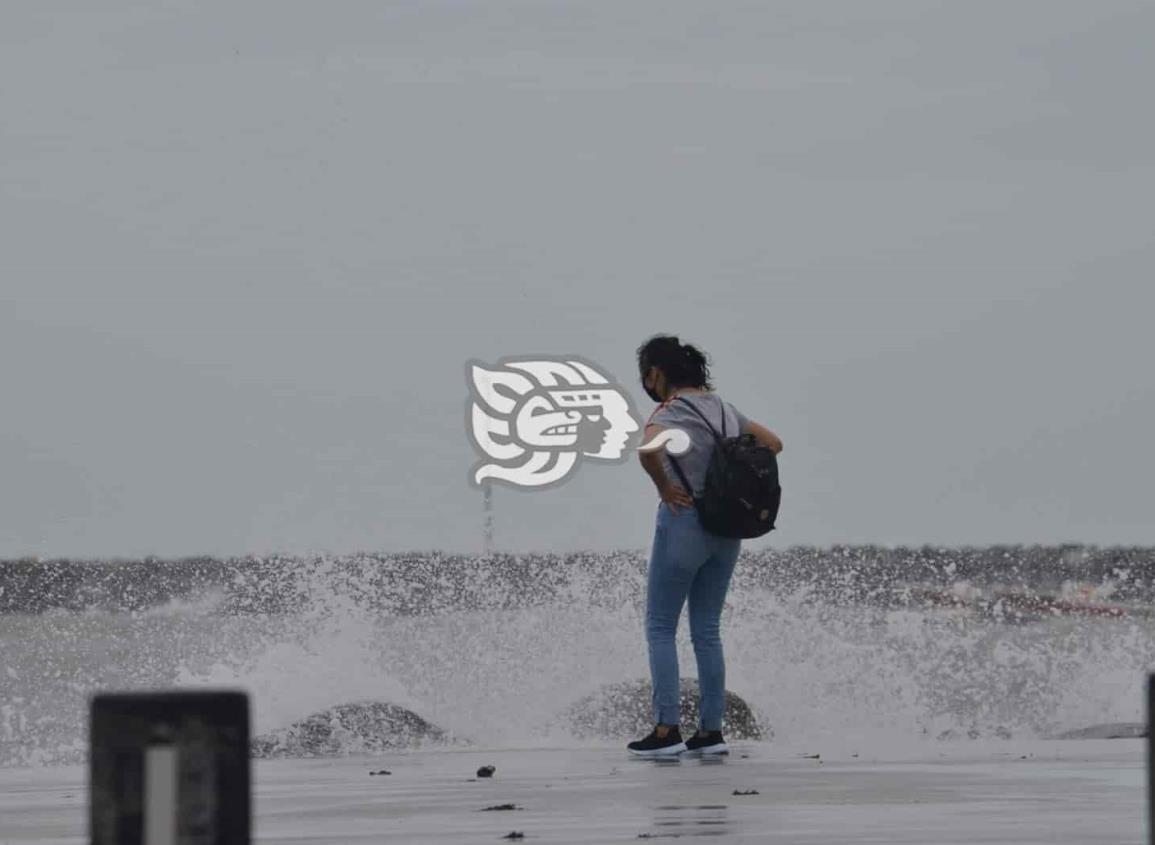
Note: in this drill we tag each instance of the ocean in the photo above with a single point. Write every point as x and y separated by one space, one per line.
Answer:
860 647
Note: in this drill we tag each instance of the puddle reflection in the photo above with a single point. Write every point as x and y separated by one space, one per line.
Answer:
673 822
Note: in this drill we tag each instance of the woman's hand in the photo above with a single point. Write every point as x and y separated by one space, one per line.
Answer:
675 497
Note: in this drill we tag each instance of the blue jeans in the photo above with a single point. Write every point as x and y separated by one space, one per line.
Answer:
687 562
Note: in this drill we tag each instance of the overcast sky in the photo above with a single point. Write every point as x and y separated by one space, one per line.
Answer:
247 248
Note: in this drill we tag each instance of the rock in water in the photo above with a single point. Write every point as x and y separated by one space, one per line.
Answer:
357 728
624 711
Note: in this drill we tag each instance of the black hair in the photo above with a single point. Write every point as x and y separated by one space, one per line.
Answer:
684 365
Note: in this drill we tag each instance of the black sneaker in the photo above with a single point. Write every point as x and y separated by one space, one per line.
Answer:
707 743
653 746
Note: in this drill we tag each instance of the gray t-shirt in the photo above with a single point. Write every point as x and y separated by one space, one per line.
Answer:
677 415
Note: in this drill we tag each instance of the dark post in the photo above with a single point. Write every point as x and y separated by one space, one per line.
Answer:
169 768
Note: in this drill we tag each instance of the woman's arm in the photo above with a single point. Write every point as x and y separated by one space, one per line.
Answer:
763 435
672 494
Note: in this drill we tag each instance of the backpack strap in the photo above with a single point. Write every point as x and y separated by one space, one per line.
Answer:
713 431
674 461
681 475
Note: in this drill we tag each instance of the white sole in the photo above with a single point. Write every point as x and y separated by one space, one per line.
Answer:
711 750
669 751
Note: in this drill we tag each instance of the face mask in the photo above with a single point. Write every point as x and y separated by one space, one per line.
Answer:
650 391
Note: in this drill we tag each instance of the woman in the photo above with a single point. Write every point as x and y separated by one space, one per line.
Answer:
687 562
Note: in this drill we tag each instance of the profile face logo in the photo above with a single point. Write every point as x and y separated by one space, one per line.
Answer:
534 419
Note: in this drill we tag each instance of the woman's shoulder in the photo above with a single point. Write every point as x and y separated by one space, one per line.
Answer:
690 407
707 399
709 402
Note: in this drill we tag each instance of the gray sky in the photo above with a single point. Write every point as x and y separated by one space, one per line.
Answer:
246 249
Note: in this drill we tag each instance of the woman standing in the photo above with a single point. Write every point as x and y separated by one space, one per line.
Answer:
687 562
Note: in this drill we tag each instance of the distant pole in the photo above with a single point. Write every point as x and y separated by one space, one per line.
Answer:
487 501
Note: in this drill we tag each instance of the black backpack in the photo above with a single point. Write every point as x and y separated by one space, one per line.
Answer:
742 494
